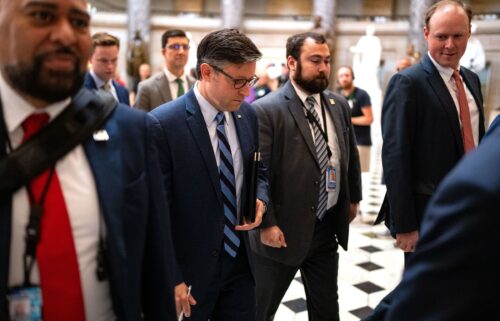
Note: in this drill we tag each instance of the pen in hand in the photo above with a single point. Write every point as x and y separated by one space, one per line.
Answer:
181 315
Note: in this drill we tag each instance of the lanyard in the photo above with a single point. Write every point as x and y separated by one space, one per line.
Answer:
312 120
33 229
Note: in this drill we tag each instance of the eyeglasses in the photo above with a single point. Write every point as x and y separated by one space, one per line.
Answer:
238 83
176 46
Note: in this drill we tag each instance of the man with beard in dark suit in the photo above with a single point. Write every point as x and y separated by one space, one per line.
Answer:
307 142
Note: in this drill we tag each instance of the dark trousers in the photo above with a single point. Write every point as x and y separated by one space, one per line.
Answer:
231 295
319 273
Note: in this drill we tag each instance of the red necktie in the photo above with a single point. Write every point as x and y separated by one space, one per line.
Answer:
467 137
62 296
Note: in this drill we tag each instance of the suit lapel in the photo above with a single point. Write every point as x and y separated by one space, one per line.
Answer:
442 93
105 161
198 128
163 87
297 110
89 81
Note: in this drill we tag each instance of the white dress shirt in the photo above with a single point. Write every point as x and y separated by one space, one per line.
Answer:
80 195
447 75
333 142
209 112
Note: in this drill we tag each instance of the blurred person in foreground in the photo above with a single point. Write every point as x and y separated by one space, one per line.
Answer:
85 237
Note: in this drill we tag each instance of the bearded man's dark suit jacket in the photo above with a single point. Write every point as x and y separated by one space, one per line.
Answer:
126 175
453 275
289 154
422 140
191 177
121 92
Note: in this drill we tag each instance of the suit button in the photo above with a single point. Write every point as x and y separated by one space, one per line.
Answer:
316 183
313 209
215 253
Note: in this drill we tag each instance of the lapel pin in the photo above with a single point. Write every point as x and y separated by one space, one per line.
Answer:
332 102
101 135
239 116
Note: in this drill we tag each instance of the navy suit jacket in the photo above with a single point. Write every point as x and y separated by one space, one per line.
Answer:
126 175
191 178
121 92
422 140
453 275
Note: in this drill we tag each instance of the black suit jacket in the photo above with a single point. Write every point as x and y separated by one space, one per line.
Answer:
289 153
191 179
422 140
138 239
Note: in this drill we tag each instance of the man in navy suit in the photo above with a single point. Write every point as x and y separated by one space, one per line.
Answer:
425 134
453 275
206 140
104 60
106 191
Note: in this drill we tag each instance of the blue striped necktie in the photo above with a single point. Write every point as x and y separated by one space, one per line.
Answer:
322 154
228 188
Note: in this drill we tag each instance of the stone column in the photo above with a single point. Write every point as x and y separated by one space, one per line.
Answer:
416 41
232 13
324 18
139 28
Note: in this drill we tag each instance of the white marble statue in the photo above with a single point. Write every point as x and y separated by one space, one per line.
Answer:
474 57
365 64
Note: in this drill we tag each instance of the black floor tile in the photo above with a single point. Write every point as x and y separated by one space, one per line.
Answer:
368 287
362 312
370 249
297 305
369 266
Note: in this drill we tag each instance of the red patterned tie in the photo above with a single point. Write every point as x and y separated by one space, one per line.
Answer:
56 256
467 137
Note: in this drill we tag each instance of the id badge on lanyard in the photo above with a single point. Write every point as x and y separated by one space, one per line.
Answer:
331 178
25 303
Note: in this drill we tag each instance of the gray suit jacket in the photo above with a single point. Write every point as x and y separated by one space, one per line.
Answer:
288 151
155 91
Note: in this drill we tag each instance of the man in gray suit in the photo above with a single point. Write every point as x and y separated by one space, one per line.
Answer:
172 81
307 142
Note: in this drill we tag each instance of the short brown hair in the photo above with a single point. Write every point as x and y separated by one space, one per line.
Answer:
432 9
104 39
294 43
226 46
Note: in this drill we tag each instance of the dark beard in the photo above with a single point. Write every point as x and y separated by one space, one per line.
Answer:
48 85
313 86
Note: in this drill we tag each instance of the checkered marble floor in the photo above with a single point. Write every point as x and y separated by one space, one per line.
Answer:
369 270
